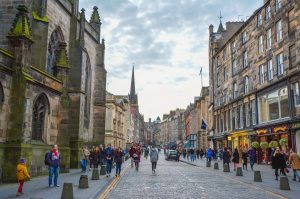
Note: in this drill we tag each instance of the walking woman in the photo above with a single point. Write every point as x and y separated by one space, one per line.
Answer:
245 159
118 160
251 154
153 158
278 163
235 159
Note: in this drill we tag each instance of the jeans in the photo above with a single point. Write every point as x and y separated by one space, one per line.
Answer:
83 165
20 189
118 168
252 163
108 167
53 171
192 157
154 165
296 174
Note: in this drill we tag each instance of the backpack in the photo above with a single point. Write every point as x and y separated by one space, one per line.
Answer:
46 159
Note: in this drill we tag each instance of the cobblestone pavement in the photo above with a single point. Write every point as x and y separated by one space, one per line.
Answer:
181 180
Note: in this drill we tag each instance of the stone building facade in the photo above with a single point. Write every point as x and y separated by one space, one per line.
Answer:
52 83
254 77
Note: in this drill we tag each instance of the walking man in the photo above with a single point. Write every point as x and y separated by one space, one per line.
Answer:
53 159
294 161
153 158
109 159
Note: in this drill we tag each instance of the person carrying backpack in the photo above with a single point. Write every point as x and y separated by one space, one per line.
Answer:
53 161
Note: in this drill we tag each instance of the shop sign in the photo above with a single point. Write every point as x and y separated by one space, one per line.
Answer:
295 125
279 129
262 132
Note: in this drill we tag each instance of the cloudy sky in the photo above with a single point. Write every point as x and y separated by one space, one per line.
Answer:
167 40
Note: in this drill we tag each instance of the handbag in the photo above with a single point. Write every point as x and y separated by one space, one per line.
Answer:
286 170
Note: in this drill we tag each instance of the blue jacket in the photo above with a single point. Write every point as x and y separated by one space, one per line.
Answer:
209 153
53 161
109 154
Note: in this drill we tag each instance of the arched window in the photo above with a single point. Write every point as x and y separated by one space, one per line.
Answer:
1 96
53 45
39 114
87 89
246 85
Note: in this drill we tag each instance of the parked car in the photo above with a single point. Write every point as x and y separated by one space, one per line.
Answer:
171 154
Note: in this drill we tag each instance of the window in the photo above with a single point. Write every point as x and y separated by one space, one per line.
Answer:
241 120
53 46
218 78
268 12
261 74
253 112
244 37
87 89
234 68
279 30
292 57
245 59
246 85
225 75
277 5
259 20
233 47
235 90
247 115
279 59
260 44
292 21
230 119
296 93
270 70
269 38
235 118
273 105
40 110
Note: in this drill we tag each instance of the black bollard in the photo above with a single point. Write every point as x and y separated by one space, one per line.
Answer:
67 192
239 171
103 170
83 182
216 166
226 168
257 176
95 174
208 164
284 183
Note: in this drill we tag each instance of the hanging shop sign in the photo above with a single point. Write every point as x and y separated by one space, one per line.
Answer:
280 129
263 132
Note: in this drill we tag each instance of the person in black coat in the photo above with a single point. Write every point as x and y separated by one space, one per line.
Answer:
278 162
245 159
226 156
236 158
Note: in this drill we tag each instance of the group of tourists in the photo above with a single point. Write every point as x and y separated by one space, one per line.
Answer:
191 154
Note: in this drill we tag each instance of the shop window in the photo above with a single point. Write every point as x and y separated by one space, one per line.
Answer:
273 106
296 94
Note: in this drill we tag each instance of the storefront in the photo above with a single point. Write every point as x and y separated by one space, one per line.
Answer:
295 133
239 140
269 134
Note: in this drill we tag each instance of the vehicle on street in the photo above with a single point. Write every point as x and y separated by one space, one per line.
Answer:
171 154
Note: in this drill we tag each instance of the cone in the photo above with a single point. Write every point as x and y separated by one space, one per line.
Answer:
95 174
257 176
239 171
83 182
216 166
67 192
284 183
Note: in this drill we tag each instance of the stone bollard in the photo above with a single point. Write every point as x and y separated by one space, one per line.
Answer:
67 192
257 176
95 174
284 183
103 170
226 168
208 164
216 166
83 182
239 171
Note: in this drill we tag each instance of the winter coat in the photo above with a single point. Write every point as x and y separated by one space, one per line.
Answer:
251 154
294 161
118 157
278 161
153 155
236 157
245 157
85 154
54 158
209 153
226 157
109 154
22 172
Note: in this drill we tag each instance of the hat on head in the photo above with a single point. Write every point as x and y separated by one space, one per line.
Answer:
22 160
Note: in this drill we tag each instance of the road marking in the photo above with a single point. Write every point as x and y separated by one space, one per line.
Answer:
241 182
113 183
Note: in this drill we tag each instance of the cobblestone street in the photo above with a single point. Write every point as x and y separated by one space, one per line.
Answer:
181 180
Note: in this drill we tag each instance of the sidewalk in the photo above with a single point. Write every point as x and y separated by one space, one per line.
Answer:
38 188
267 173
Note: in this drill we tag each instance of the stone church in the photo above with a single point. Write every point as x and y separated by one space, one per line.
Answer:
52 83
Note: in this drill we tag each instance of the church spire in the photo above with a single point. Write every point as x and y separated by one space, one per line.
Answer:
133 95
221 28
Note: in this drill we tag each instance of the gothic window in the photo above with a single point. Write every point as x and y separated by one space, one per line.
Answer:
87 89
1 95
53 46
39 114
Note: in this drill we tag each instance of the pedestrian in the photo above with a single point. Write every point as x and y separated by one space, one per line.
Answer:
188 154
278 163
294 161
198 153
226 156
85 153
96 158
235 159
220 154
22 173
272 155
146 153
118 156
109 159
252 157
153 158
184 153
209 155
192 154
53 159
102 155
92 157
245 159
201 153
